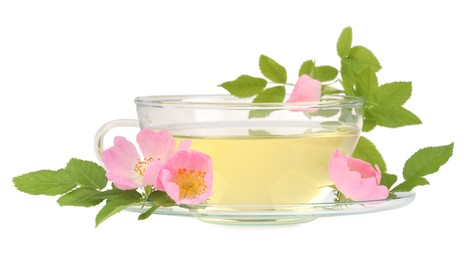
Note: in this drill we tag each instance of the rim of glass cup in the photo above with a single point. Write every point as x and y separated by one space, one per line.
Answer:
226 101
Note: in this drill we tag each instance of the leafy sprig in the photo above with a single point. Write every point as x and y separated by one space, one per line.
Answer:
84 184
357 75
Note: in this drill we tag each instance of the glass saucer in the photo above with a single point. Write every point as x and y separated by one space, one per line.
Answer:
270 214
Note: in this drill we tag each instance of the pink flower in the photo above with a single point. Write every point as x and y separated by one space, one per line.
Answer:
187 177
306 90
355 178
124 165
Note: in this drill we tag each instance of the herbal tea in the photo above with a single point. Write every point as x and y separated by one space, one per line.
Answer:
266 169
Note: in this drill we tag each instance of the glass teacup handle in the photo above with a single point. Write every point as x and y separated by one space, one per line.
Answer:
100 135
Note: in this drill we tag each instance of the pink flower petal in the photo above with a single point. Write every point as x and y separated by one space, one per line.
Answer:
157 145
201 198
184 145
350 183
379 193
163 179
306 90
123 183
355 178
190 160
184 168
119 162
366 186
173 191
338 165
378 174
121 157
361 166
151 175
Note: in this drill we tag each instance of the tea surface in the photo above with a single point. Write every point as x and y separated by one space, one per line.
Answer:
269 169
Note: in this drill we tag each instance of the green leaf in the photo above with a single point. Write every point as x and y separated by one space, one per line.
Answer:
367 85
148 213
307 68
117 194
366 151
328 90
323 113
160 198
394 93
262 113
245 86
325 73
344 42
388 179
369 122
427 161
81 197
395 116
348 77
346 116
87 174
270 95
272 70
360 58
45 182
410 184
112 207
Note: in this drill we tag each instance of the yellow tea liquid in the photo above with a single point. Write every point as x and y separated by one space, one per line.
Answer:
272 169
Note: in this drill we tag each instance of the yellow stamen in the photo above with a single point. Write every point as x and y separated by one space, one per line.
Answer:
191 184
141 166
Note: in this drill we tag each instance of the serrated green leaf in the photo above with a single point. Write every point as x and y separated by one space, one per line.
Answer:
45 182
410 184
81 197
367 85
369 122
112 207
395 116
117 194
307 68
394 93
160 198
270 95
360 58
427 161
272 70
328 90
87 174
245 86
366 151
344 42
325 73
368 126
348 77
262 113
388 180
148 213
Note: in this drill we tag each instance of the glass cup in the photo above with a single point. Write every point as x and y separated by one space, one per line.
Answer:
262 153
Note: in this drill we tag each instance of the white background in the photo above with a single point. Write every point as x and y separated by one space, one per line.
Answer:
66 67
